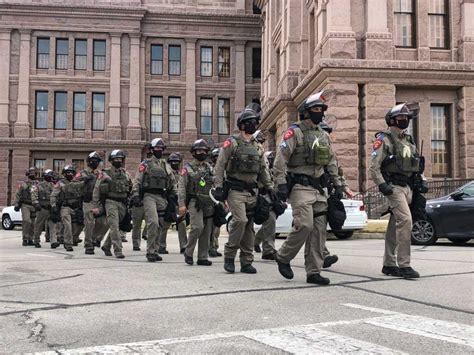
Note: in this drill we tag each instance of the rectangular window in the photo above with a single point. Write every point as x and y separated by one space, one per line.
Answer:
223 111
206 61
62 50
41 119
256 63
439 23
98 112
404 23
42 53
40 165
206 116
440 147
60 110
99 54
157 59
79 119
78 164
174 65
174 115
58 165
80 58
224 62
156 114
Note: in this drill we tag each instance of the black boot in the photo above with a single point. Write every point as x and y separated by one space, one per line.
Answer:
136 249
285 269
24 243
97 243
248 269
162 250
55 245
188 259
106 251
329 260
257 248
151 257
269 256
37 245
90 251
391 271
409 273
204 262
317 279
158 257
68 248
30 242
212 253
181 251
229 265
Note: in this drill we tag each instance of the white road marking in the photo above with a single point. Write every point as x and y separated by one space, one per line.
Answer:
44 256
370 309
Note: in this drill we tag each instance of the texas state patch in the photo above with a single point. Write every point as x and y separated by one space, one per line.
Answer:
289 134
142 167
377 144
183 172
227 143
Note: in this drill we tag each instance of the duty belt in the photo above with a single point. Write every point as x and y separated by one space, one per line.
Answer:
399 179
161 192
73 204
123 200
305 180
239 185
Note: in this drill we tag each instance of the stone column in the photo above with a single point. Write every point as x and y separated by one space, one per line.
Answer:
113 130
339 41
239 104
4 171
133 128
467 32
143 123
5 79
291 44
190 129
22 124
423 30
378 41
465 126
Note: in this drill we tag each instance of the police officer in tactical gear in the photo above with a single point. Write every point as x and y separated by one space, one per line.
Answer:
23 202
154 186
242 161
174 160
394 165
66 201
214 239
113 187
301 158
195 181
95 227
40 197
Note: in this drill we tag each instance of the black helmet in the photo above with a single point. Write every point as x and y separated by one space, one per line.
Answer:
69 169
48 175
252 111
259 136
117 153
313 100
175 157
215 152
93 155
31 171
398 110
158 143
200 144
324 126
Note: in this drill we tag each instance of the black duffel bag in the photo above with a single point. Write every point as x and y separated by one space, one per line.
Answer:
418 206
262 210
219 218
125 224
336 213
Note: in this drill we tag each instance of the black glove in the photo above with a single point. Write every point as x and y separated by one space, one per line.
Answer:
136 201
338 192
273 195
37 206
282 192
218 194
423 187
16 208
386 189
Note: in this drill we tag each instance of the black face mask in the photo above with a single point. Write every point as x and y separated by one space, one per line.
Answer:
157 153
48 178
250 127
402 124
93 164
214 160
316 117
200 157
117 164
69 176
32 177
175 166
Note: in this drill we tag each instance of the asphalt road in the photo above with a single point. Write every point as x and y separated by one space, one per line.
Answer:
52 300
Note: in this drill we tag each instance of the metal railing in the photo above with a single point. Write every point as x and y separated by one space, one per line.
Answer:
376 203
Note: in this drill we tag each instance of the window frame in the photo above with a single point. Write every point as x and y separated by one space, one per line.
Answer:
254 50
447 140
74 111
413 15
94 55
56 110
156 60
219 117
169 114
445 16
223 63
40 167
173 60
36 108
38 53
76 41
93 111
209 117
61 167
151 114
206 62
66 55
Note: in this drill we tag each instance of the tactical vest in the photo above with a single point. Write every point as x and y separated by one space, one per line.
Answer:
118 185
25 193
44 193
199 184
404 159
246 158
155 177
72 194
89 188
313 149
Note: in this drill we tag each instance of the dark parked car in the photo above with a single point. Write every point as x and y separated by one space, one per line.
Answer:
449 217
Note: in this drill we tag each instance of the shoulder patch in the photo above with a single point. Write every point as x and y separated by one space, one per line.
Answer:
57 185
289 134
78 175
100 176
183 171
142 167
227 143
378 143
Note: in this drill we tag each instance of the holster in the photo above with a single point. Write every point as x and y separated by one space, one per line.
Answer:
239 185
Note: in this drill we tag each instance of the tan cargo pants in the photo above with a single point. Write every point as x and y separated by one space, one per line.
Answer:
27 226
71 230
152 204
182 237
138 215
115 211
42 218
94 228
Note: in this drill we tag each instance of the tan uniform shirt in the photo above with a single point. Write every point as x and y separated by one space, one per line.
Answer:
104 177
142 169
27 185
197 166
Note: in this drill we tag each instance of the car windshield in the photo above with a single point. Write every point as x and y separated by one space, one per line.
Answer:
468 189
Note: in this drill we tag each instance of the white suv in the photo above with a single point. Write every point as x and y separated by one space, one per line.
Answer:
10 218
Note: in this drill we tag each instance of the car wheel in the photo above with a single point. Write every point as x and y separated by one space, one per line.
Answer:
423 233
343 234
459 241
7 223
